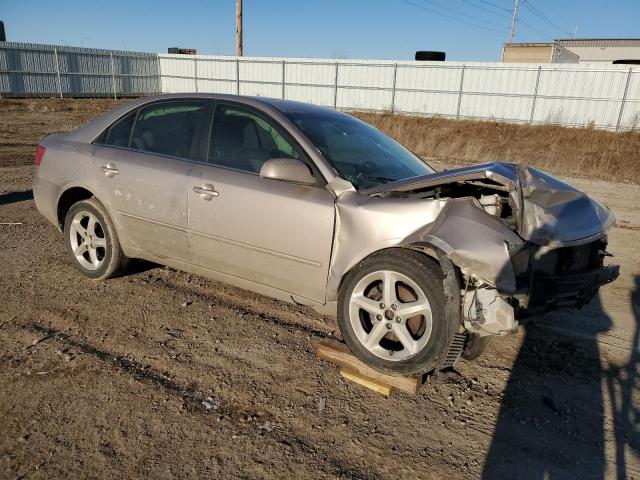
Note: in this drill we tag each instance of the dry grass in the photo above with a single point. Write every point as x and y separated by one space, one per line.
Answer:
24 123
582 152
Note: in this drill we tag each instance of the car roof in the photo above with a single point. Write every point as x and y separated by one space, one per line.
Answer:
284 106
274 105
278 109
291 106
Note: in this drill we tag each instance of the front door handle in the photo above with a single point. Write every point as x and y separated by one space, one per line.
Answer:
206 191
109 170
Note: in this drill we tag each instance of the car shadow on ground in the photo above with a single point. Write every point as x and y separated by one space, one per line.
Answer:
551 419
137 265
623 388
13 197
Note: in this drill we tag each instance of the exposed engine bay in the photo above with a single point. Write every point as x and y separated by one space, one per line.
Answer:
495 199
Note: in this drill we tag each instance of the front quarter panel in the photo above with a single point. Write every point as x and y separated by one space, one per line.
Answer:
472 239
365 225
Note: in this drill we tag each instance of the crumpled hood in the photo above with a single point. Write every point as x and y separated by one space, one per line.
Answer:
550 211
554 211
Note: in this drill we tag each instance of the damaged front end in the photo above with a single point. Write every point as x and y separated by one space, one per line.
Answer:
524 242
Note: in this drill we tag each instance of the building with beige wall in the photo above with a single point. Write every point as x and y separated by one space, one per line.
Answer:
605 50
583 50
537 53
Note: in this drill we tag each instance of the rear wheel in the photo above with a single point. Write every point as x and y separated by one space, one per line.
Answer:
391 312
91 241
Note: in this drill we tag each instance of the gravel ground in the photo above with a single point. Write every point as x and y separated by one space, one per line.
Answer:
163 374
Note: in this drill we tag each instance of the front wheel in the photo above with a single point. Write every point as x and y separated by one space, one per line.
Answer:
391 312
91 241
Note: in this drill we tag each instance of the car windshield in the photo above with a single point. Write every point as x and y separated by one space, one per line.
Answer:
359 152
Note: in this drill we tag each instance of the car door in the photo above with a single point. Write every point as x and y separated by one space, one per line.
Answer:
270 232
144 167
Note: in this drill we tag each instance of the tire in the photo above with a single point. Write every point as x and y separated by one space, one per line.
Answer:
423 55
416 278
98 257
475 347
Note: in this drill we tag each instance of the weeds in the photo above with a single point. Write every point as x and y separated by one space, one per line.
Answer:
582 152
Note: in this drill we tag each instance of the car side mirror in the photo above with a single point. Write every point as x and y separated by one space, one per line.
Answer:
287 170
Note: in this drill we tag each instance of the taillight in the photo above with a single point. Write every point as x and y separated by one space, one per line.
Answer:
40 154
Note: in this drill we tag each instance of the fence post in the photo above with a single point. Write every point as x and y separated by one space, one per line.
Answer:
535 95
159 74
238 76
55 56
113 77
335 89
283 67
460 92
624 99
195 72
393 88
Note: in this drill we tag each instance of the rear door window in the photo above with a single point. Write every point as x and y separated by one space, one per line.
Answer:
169 128
119 133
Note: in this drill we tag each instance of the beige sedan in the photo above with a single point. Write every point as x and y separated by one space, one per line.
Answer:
315 207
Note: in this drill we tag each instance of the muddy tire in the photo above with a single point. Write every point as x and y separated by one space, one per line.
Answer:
91 241
391 312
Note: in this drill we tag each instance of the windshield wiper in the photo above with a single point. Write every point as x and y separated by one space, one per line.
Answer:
380 179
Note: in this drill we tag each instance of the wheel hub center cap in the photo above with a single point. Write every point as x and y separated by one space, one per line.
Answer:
389 314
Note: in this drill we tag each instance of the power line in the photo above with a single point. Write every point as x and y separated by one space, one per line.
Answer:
543 17
408 2
486 9
461 13
495 6
531 27
508 17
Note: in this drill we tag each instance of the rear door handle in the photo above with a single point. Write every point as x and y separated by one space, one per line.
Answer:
206 191
109 170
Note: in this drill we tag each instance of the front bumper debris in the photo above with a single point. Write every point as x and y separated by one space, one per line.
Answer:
549 292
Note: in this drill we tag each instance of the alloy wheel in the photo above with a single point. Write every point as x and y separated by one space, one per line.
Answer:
88 240
390 315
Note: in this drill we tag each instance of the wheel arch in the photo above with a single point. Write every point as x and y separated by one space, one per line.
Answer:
68 198
430 250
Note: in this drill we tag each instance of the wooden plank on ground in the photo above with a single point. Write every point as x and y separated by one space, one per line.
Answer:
370 383
338 353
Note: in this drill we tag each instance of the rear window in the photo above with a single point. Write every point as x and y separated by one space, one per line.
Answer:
168 128
119 133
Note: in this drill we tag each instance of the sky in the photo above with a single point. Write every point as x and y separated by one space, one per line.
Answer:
467 30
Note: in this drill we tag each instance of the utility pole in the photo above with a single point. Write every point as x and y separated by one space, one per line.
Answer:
513 21
239 28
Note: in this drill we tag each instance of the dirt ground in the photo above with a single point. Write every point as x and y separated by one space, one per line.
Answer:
161 374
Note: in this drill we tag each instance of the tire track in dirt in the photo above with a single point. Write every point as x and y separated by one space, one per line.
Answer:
195 400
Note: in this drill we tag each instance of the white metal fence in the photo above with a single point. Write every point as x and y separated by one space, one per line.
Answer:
565 94
571 95
33 70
